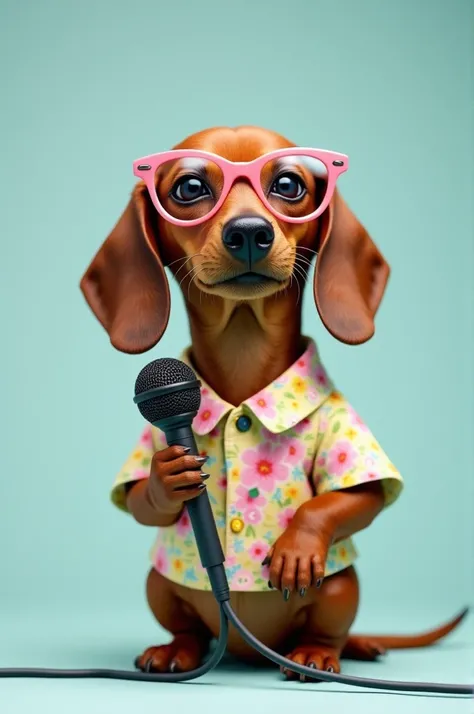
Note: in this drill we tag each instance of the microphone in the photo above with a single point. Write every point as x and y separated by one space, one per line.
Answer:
168 395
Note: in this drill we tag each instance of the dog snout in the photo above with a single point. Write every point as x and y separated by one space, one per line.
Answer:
248 238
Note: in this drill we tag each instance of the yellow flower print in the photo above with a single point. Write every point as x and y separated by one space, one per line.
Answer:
351 433
374 446
299 385
291 492
178 565
138 454
234 474
348 481
336 397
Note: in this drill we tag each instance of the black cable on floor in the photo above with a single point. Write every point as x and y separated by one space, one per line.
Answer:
124 674
394 686
226 615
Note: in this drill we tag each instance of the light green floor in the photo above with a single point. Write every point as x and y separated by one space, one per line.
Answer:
106 640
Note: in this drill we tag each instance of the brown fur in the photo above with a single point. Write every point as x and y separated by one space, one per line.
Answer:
127 289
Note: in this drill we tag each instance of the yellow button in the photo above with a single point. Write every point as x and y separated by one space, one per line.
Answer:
237 525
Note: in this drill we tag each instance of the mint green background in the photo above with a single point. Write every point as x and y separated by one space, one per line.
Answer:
88 87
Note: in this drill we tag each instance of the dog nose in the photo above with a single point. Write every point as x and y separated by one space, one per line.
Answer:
248 238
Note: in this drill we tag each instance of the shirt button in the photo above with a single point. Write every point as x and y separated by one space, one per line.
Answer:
237 525
243 423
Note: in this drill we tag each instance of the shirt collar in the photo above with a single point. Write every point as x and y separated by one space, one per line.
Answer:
279 406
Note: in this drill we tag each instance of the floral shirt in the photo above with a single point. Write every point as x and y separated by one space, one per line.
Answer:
297 438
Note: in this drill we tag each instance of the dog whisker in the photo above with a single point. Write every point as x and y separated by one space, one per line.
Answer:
184 257
186 260
192 280
189 273
298 296
304 259
299 271
297 256
302 247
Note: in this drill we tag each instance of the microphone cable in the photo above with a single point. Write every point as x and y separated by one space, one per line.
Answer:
227 615
167 394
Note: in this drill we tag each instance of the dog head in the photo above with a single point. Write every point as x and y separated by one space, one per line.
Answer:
226 211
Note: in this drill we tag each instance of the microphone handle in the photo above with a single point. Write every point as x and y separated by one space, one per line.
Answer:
199 508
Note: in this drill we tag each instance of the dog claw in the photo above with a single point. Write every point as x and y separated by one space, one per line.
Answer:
148 664
173 666
302 592
286 594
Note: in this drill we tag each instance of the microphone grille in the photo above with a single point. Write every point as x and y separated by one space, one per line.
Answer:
160 373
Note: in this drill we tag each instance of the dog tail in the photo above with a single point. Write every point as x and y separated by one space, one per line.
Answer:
370 646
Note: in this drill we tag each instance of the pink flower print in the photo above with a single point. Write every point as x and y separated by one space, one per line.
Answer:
323 425
146 439
252 515
263 404
161 561
285 517
242 580
269 436
301 365
355 418
139 474
215 433
222 482
321 376
302 426
264 467
258 551
341 458
246 500
206 412
371 475
266 572
183 525
294 451
230 560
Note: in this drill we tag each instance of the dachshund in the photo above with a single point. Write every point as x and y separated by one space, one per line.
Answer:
238 215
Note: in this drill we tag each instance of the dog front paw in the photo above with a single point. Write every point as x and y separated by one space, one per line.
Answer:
320 657
183 654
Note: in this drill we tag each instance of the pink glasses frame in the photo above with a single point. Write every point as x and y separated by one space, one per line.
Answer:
145 169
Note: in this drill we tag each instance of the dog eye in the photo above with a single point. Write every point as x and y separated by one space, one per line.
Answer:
189 189
289 186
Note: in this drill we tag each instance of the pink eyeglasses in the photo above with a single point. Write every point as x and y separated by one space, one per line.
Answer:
188 187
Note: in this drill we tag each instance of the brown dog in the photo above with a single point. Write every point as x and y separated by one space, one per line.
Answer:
236 321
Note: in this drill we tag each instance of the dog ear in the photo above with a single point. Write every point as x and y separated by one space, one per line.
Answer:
125 285
350 275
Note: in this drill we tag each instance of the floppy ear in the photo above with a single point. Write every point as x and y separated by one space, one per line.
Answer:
125 284
350 275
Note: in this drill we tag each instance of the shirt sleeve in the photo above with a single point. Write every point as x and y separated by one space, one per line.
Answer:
348 453
137 466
